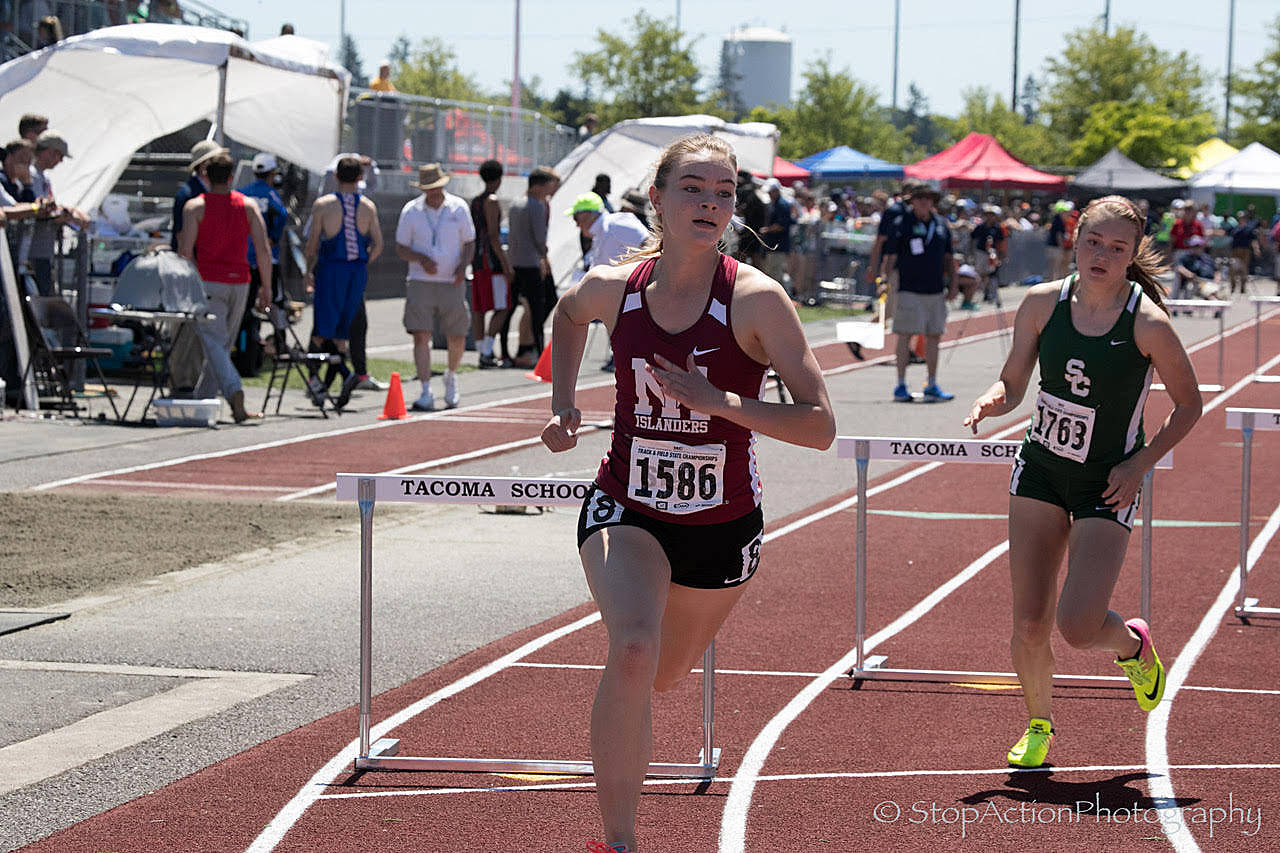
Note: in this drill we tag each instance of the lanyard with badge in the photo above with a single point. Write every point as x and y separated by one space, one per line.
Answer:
433 226
916 243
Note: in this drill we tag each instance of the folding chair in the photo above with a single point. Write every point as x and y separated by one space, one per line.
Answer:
57 340
291 356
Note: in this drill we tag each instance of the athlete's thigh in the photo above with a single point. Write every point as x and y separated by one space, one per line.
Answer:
1095 556
689 624
628 574
1038 533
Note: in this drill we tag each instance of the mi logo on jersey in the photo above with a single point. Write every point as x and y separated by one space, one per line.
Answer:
670 419
1076 377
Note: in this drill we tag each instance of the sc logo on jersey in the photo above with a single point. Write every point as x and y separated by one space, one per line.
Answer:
1076 376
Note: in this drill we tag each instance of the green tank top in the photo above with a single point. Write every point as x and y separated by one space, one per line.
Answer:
1092 391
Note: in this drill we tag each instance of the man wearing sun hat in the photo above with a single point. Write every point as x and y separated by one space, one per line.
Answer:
435 235
197 183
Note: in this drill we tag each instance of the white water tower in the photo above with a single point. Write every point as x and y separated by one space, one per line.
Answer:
757 62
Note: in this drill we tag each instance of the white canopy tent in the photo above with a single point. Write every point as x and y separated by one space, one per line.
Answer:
1255 170
628 153
113 90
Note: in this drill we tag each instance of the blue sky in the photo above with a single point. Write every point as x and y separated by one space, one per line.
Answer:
945 46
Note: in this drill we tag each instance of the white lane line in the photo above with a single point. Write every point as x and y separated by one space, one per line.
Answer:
285 442
1171 817
210 692
733 826
793 777
172 484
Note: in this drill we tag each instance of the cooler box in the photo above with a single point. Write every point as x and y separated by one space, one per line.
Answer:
201 413
115 338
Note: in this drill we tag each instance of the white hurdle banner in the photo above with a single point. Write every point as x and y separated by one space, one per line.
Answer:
1217 306
368 489
863 449
1248 420
1258 302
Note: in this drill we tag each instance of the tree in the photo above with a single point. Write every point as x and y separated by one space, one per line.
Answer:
834 109
1029 98
1143 132
985 112
432 70
650 71
349 57
1258 98
1125 68
401 49
920 127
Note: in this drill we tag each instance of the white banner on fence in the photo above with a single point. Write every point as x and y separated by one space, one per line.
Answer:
513 491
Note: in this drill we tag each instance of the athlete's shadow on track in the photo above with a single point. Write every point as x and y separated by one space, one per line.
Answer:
1114 794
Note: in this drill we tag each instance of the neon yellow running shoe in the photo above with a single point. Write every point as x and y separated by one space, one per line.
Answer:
1033 748
1144 669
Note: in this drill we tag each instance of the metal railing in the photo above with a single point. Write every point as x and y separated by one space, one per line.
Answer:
402 131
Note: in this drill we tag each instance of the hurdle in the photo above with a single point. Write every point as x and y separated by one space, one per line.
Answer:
1258 302
1195 306
863 449
367 490
1248 420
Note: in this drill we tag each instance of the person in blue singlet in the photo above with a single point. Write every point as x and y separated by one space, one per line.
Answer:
1098 336
344 238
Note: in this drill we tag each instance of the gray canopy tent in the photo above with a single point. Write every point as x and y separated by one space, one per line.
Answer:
1116 173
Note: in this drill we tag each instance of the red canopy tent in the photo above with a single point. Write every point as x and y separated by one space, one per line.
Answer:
979 161
786 172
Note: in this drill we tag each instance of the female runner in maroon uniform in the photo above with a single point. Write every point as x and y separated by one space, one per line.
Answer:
671 533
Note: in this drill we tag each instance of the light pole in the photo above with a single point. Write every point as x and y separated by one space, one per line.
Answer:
515 73
1231 42
1017 21
897 4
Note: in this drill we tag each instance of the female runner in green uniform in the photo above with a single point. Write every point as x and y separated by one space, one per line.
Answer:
1097 335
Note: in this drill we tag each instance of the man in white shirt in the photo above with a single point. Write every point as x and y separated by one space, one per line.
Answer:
436 236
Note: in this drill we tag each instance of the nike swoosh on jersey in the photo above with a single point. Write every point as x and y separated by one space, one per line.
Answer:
697 352
1118 343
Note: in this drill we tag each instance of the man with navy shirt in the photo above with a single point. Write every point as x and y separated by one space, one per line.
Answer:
921 248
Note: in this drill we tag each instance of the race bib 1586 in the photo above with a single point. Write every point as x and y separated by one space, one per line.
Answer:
676 478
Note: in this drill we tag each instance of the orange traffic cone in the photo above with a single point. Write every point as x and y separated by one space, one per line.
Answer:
542 370
394 409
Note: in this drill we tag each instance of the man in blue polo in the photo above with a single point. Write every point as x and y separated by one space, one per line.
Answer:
921 247
262 191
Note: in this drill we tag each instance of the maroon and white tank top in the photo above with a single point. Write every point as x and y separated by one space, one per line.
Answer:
665 460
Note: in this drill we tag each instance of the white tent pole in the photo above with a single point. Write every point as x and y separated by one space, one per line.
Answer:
219 134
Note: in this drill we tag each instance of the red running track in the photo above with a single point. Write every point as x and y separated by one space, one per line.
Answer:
929 756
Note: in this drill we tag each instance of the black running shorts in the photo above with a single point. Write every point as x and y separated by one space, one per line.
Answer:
1079 494
702 556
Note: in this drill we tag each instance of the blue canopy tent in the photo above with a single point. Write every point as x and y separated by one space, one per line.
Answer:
843 163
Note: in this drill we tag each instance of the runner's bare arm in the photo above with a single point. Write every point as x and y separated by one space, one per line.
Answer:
1154 334
493 223
596 297
262 248
312 249
192 215
768 329
375 231
1007 392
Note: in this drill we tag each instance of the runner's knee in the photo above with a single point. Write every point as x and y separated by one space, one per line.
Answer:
1032 630
1080 630
634 655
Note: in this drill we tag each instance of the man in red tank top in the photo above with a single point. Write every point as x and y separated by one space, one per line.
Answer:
216 230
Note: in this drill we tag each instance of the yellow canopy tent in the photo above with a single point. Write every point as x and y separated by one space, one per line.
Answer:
1211 152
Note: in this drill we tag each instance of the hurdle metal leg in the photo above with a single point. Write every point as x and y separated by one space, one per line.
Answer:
383 755
1246 606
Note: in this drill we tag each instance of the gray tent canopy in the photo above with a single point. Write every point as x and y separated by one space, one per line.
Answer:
1117 173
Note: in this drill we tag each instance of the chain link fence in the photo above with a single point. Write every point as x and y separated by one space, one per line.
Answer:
402 131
